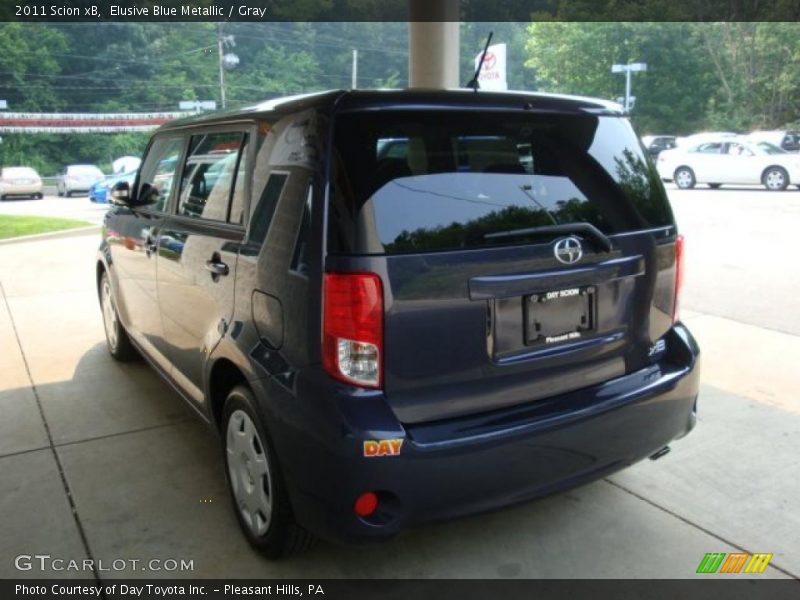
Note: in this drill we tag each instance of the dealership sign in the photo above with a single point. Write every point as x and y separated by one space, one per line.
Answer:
18 122
493 71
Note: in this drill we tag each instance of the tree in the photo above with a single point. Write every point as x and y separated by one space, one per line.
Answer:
576 58
756 68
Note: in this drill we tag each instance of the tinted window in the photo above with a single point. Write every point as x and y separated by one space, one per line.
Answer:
413 181
158 172
265 209
208 175
301 252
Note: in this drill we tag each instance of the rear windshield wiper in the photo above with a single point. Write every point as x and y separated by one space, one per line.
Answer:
586 229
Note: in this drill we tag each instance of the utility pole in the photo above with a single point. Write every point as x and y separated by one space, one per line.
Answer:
221 66
226 60
354 82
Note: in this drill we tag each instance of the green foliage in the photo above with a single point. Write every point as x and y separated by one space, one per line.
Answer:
730 76
15 226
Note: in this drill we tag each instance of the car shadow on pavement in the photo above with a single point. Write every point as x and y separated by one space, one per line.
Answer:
147 482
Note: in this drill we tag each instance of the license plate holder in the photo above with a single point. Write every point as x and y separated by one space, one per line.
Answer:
559 315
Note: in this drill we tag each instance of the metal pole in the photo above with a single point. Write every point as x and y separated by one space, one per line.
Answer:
433 43
627 88
221 67
354 82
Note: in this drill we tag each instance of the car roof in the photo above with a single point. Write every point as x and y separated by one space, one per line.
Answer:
344 100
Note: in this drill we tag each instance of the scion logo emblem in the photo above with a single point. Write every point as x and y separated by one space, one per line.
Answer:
568 250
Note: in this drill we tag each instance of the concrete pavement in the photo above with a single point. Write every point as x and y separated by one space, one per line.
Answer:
103 460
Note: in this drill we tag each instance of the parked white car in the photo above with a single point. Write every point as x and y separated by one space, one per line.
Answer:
20 181
729 160
77 178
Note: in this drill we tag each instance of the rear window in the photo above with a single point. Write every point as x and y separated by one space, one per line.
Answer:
19 172
410 181
87 170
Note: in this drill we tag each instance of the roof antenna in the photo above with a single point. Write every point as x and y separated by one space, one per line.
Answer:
473 83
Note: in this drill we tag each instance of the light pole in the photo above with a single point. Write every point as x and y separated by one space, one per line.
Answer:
628 69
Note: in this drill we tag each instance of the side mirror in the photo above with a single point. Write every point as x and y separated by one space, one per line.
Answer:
120 194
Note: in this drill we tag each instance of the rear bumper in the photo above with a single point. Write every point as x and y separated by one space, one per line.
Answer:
21 190
478 463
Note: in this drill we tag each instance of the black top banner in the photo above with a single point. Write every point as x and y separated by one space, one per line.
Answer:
399 10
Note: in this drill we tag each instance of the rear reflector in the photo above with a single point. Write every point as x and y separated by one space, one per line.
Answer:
679 272
366 504
352 329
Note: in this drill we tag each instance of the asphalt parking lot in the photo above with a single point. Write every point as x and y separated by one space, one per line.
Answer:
102 460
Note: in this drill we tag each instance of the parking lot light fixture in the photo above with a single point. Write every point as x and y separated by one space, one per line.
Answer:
628 69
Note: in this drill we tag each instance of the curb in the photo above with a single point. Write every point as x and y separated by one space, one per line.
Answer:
53 235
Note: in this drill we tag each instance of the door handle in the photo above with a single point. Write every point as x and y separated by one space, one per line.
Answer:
217 267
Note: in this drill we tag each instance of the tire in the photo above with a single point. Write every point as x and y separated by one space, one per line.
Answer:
117 340
68 194
714 186
2 197
684 178
775 179
256 486
40 196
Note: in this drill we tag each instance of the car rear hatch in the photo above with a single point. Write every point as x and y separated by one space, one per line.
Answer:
522 254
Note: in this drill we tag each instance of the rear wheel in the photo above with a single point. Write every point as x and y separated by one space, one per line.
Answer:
117 340
775 179
39 196
257 489
684 178
714 186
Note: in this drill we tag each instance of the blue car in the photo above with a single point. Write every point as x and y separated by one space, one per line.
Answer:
99 191
397 307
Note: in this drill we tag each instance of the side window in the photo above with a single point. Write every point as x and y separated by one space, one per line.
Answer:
265 209
157 174
236 213
710 148
738 150
208 175
301 250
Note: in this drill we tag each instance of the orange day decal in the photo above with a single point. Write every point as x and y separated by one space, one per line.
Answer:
382 447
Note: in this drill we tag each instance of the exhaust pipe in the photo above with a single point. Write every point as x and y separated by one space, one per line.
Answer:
663 452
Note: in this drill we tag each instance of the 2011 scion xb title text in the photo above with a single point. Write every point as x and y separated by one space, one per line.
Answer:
133 11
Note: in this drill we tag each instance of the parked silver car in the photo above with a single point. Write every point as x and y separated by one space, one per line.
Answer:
78 178
20 181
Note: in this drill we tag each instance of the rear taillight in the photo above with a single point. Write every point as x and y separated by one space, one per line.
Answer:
678 277
352 328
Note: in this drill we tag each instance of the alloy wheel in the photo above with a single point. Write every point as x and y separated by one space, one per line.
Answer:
775 180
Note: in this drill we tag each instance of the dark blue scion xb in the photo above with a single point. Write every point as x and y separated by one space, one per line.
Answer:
404 306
